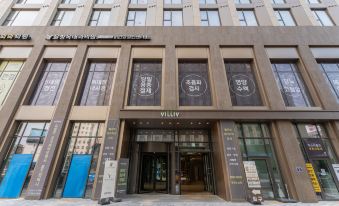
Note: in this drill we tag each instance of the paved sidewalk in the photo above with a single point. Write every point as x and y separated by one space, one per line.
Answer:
157 200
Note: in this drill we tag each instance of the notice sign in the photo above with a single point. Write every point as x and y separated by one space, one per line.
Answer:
314 147
121 189
336 170
109 179
314 179
251 173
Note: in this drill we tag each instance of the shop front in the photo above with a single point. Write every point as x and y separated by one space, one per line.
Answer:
174 161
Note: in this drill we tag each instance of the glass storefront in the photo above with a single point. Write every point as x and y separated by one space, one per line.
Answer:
193 166
256 145
317 150
78 172
18 166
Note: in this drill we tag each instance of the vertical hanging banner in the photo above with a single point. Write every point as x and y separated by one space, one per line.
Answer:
233 161
313 177
109 149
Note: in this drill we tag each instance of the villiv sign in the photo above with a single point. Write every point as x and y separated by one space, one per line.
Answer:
169 114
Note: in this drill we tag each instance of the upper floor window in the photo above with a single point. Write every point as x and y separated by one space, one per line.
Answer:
313 1
98 85
209 18
278 1
100 18
331 74
30 1
173 18
145 89
242 84
51 83
172 1
284 17
136 18
207 1
104 1
247 18
63 18
9 71
291 84
242 1
21 18
322 17
138 2
70 1
194 86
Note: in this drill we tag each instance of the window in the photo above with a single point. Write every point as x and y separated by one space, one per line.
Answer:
331 74
70 1
284 17
172 2
173 18
247 18
278 1
318 151
209 18
30 1
136 18
256 145
100 18
242 1
20 18
322 17
145 89
207 2
313 1
84 144
104 1
51 83
291 85
9 71
26 146
194 87
242 84
63 18
98 85
138 2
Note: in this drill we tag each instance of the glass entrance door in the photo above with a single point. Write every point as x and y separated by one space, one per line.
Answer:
154 173
325 177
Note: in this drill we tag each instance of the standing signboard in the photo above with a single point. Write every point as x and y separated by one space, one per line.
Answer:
253 182
109 179
122 176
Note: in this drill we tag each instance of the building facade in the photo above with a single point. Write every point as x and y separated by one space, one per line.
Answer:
187 90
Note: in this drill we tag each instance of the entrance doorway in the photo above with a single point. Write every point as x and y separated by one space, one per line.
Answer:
196 173
154 173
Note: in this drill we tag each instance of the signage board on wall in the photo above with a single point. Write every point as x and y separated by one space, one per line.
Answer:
91 37
251 173
233 159
313 177
314 147
15 37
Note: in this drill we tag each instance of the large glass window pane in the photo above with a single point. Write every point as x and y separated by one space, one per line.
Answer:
70 2
138 1
194 87
30 1
247 18
173 18
63 18
104 1
9 71
145 89
322 17
291 85
207 2
284 17
136 18
209 18
20 18
51 83
100 18
98 84
172 2
242 84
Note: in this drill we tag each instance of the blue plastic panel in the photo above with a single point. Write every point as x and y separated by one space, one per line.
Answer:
77 176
